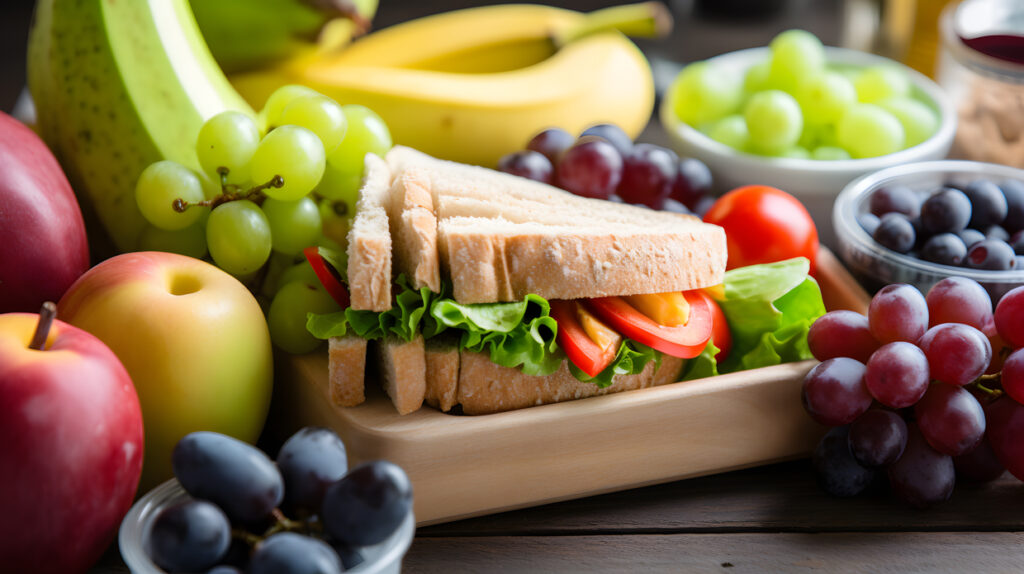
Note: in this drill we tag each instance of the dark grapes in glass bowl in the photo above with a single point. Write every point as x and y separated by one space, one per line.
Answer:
919 223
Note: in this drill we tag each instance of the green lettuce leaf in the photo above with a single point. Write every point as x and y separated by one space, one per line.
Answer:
703 365
407 317
631 358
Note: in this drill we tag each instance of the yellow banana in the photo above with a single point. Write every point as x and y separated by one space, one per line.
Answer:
475 84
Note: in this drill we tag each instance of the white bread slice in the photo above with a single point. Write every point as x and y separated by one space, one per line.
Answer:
369 241
414 231
442 360
403 372
346 370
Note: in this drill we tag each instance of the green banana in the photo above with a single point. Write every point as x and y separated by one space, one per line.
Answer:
248 34
119 85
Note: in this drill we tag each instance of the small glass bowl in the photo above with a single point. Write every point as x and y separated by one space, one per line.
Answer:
383 558
876 266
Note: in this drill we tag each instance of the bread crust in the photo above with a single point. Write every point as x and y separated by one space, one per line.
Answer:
403 372
369 241
346 370
414 228
442 360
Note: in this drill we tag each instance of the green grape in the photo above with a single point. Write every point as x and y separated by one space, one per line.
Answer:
918 120
757 77
866 130
796 152
286 317
797 55
732 131
367 133
773 120
190 241
342 186
829 153
702 93
824 98
320 115
295 154
238 236
279 100
162 183
881 82
227 141
294 225
301 271
336 218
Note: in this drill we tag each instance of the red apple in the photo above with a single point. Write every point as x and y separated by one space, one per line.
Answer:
71 453
41 230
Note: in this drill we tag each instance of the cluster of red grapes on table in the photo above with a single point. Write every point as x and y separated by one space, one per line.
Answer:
234 517
604 163
926 389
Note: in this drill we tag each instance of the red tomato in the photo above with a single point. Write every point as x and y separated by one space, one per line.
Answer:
581 349
762 225
326 275
685 341
720 333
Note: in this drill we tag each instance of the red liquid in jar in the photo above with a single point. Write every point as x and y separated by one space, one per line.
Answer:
1002 46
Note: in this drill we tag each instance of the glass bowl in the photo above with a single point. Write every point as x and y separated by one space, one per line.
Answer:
876 266
383 558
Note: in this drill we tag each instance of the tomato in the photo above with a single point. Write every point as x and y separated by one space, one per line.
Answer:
762 225
720 333
327 276
573 339
685 341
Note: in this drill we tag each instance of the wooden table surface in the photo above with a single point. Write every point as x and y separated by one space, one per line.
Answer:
767 519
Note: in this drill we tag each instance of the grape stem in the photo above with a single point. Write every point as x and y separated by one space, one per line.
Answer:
994 393
231 193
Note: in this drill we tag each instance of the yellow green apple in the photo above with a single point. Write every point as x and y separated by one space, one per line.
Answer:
191 336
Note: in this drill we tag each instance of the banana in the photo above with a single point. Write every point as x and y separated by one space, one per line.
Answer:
475 84
119 85
247 34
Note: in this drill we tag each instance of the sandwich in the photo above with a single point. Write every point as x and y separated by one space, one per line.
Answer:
481 292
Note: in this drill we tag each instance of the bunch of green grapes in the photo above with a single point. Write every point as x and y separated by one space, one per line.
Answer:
269 187
794 104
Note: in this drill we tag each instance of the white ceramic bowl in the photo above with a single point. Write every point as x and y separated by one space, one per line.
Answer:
383 558
815 182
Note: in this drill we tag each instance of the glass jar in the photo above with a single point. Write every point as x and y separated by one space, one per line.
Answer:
988 92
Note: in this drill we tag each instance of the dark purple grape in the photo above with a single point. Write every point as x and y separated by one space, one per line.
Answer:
551 142
869 222
979 465
672 206
224 569
841 333
834 392
922 476
590 168
368 504
189 536
991 254
1013 191
950 418
291 553
947 210
647 175
1017 242
895 232
234 475
970 236
837 471
616 199
997 232
692 183
945 249
310 460
895 198
613 134
988 204
703 205
529 164
877 438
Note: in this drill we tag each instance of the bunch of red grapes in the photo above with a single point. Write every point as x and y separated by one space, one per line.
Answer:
927 389
604 163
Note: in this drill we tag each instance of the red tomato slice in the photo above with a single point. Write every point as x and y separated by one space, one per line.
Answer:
581 349
326 275
720 333
685 341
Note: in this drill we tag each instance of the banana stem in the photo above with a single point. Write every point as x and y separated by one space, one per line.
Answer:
644 20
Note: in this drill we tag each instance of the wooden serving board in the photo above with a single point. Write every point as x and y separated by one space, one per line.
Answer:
463 466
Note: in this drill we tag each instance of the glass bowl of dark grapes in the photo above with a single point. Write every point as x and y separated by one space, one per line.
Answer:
918 223
231 509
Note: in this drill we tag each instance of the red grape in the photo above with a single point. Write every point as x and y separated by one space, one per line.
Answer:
647 175
957 353
692 183
979 465
898 312
834 392
1009 317
841 334
959 300
1004 431
951 419
591 168
551 143
922 476
837 470
1013 375
529 164
878 437
897 374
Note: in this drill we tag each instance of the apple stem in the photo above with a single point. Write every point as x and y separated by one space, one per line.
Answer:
46 316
